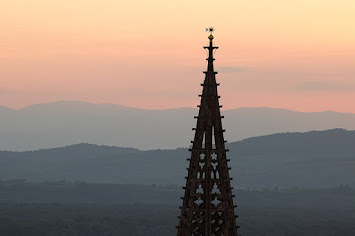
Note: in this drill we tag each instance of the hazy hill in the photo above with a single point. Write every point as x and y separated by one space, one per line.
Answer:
312 159
67 122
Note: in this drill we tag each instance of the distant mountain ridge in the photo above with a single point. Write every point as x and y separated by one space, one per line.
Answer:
312 159
66 122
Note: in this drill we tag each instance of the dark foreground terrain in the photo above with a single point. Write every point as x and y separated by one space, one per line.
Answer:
100 219
79 208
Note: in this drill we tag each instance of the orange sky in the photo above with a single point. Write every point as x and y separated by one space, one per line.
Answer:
289 54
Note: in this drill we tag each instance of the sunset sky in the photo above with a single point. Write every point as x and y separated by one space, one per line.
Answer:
298 55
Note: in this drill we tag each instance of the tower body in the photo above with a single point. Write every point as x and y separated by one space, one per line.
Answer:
207 207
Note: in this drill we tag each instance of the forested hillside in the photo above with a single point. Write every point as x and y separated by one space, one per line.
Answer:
287 160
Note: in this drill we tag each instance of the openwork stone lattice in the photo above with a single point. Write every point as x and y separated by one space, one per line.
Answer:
207 207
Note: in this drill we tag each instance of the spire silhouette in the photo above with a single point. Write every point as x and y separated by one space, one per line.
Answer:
207 207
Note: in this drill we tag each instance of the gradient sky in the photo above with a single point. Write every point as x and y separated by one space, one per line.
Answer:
298 55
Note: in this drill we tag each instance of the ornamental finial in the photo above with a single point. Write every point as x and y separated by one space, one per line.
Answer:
211 30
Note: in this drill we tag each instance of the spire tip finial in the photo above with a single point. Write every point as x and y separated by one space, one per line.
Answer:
211 30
